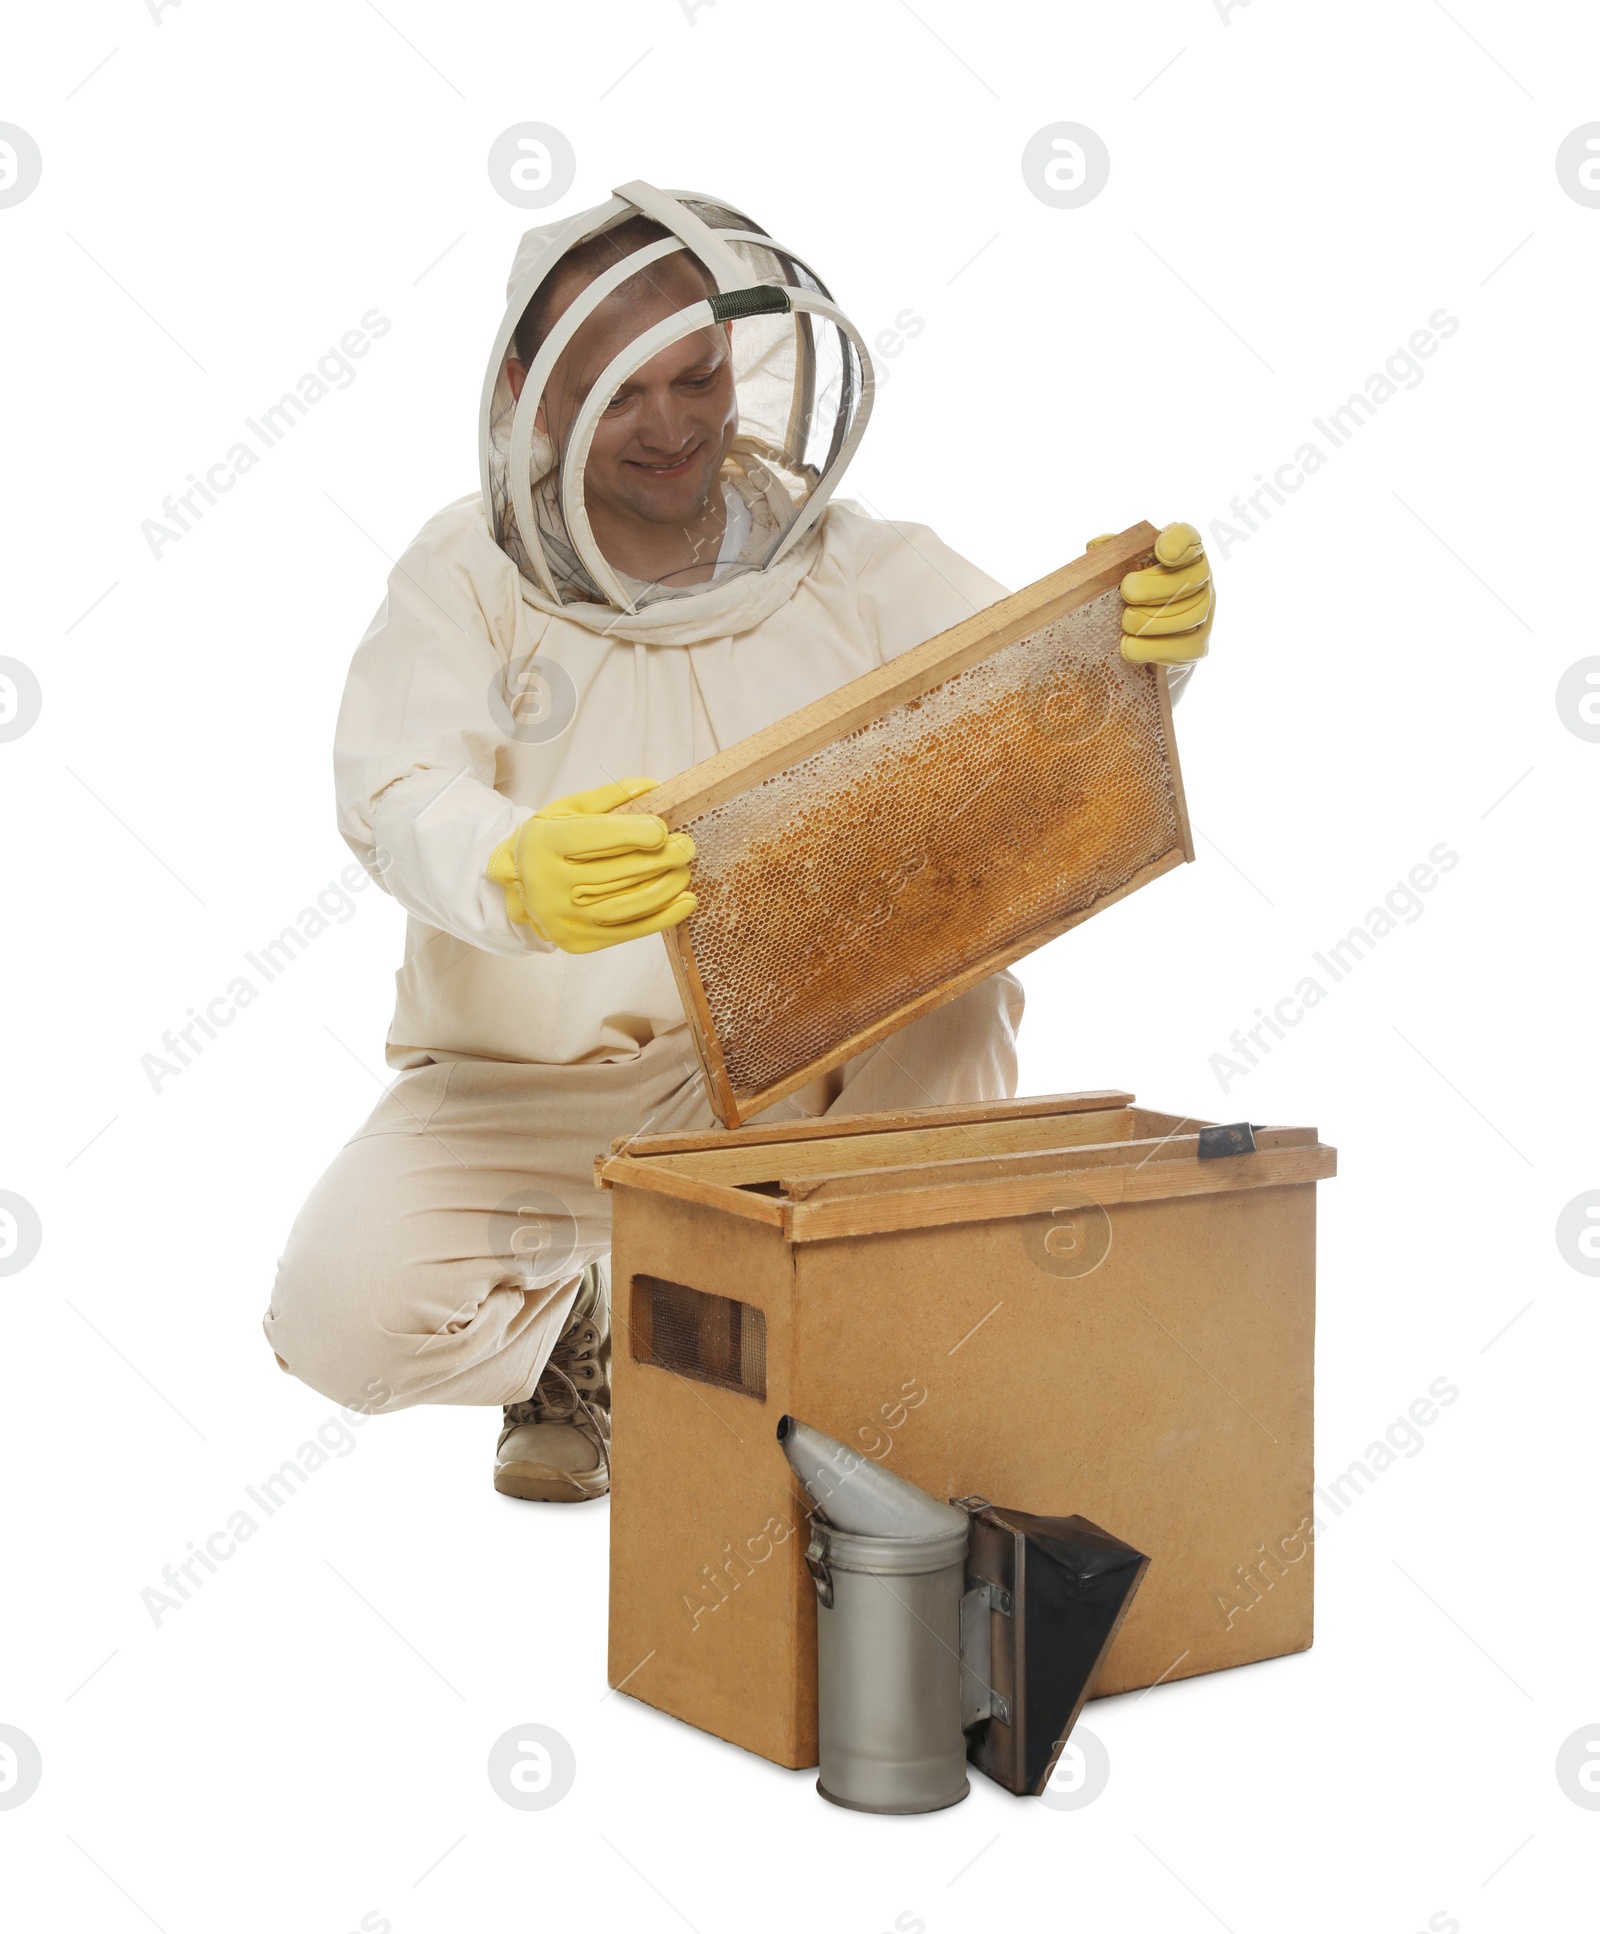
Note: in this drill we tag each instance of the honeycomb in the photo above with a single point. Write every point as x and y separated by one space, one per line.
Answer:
1019 792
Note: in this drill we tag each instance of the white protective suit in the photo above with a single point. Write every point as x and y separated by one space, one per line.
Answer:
429 783
397 1285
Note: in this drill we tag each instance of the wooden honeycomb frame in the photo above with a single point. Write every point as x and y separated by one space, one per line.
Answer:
883 759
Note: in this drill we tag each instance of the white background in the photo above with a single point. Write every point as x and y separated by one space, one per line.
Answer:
223 196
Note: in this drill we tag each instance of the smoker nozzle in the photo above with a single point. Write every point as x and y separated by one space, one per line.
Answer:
858 1495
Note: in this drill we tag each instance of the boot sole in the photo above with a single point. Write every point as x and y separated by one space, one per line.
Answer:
542 1484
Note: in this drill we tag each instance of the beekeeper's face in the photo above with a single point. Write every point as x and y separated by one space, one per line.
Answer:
660 442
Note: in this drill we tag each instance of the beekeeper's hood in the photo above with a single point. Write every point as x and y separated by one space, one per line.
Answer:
752 400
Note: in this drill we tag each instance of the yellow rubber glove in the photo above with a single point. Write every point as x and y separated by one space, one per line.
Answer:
585 878
1168 607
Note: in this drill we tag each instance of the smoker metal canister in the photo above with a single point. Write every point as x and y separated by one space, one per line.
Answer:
889 1669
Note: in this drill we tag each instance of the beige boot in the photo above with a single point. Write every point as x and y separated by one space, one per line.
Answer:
555 1447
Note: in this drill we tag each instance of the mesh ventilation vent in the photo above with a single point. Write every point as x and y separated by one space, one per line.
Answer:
1017 793
712 1339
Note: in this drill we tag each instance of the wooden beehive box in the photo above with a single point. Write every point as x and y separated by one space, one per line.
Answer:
1051 1303
877 853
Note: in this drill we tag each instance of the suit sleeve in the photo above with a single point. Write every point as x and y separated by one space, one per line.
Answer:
416 744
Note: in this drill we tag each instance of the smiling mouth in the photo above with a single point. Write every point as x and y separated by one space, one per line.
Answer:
678 467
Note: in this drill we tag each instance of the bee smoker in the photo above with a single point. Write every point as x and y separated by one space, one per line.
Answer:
946 1632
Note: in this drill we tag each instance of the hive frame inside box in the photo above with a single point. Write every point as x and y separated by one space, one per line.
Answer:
902 683
1168 1396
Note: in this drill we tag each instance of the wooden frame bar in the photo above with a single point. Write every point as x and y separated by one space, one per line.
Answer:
830 1127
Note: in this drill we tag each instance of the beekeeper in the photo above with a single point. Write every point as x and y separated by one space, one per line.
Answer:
656 567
